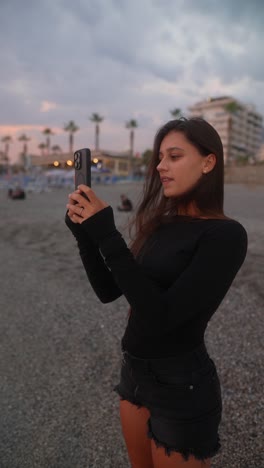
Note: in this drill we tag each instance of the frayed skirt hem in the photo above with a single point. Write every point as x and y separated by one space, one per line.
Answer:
185 452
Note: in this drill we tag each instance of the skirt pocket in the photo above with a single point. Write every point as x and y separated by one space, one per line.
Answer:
190 393
182 383
172 392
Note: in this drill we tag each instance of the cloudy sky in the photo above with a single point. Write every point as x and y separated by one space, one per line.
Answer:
63 60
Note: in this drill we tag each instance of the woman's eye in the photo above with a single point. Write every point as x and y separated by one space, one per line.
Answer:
175 156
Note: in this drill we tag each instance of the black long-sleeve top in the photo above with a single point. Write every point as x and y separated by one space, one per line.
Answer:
173 287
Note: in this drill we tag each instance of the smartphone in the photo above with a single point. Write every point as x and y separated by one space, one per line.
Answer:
82 167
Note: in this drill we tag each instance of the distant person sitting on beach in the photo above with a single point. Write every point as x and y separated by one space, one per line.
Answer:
17 194
126 204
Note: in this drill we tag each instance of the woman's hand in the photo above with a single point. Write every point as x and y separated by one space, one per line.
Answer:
79 208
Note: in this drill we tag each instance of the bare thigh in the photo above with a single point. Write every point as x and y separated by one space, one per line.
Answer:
174 460
142 451
135 427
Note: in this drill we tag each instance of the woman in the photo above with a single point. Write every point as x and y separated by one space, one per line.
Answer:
183 260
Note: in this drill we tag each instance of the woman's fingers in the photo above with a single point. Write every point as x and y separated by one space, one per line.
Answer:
81 208
80 196
76 198
76 209
88 192
71 201
74 217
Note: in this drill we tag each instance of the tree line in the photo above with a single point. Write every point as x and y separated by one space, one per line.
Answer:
71 128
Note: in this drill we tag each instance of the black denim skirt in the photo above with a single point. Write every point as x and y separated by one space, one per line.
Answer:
183 396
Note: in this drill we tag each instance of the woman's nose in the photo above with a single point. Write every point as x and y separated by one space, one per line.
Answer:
162 166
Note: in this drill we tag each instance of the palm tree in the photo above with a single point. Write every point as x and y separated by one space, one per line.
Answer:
56 149
71 127
231 108
7 140
131 125
48 132
176 113
25 139
42 147
97 119
2 162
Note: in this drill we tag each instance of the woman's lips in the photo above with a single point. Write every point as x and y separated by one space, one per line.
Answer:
165 180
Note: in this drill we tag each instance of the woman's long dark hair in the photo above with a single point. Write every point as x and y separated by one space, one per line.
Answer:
208 193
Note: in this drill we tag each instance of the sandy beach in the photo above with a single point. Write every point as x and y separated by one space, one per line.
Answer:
60 347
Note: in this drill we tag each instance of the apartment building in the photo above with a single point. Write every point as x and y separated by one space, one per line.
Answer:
240 127
261 153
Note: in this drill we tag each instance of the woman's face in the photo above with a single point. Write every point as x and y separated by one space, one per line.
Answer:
181 165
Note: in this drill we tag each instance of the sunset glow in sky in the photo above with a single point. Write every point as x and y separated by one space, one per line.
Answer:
63 60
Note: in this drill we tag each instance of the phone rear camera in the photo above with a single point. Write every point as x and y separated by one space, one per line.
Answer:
77 160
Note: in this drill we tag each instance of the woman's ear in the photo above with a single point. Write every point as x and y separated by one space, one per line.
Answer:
210 162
